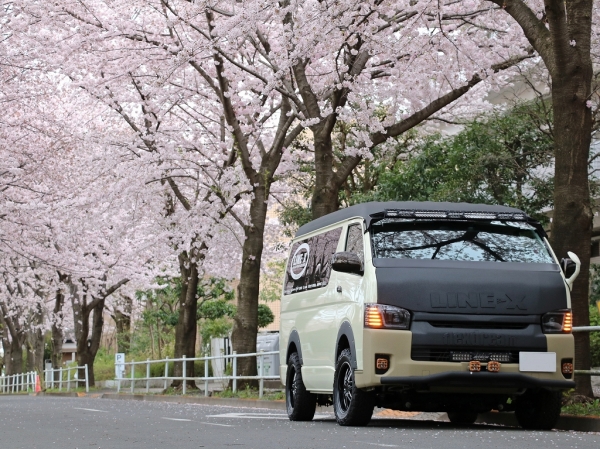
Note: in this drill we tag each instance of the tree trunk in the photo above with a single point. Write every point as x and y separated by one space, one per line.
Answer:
325 198
57 333
185 330
563 40
87 346
35 344
123 323
57 330
245 323
16 357
572 219
6 348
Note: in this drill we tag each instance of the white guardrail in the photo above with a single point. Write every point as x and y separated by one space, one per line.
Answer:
586 329
17 383
261 377
60 376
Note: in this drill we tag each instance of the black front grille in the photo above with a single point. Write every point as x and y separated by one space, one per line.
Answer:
477 325
444 354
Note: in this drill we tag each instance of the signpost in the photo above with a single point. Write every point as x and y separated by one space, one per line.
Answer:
119 365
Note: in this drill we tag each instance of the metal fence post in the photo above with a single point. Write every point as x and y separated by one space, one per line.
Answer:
234 371
87 379
60 379
166 371
132 375
68 379
205 376
184 375
147 375
261 382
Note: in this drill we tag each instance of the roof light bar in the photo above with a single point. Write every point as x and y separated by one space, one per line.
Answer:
460 215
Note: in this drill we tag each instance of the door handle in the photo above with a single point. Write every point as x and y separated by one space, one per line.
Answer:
339 289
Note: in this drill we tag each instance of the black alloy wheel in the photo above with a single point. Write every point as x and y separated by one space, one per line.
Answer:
300 403
352 406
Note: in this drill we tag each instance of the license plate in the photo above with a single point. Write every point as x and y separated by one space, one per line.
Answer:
537 362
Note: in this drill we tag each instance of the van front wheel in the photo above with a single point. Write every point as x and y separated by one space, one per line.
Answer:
352 406
300 403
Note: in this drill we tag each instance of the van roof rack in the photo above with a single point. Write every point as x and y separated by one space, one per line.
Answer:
455 215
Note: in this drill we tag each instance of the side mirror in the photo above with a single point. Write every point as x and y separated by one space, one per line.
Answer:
571 267
346 262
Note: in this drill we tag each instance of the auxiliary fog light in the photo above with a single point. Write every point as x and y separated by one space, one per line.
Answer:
567 368
382 363
474 366
493 367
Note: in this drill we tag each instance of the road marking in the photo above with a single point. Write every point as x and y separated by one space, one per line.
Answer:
199 422
90 410
377 444
282 416
215 424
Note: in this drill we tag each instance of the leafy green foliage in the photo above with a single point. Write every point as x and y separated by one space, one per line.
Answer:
265 315
583 408
499 159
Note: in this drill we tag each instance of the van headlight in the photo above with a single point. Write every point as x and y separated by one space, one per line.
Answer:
557 322
382 316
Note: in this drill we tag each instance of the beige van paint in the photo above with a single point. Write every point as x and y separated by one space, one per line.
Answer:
317 316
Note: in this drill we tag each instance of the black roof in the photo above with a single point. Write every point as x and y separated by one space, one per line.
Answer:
367 210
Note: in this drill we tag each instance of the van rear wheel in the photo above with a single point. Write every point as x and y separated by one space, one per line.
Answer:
352 406
300 403
538 409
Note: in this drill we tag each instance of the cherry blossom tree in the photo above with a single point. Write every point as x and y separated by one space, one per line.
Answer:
565 35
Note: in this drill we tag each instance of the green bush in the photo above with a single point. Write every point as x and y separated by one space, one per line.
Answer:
595 336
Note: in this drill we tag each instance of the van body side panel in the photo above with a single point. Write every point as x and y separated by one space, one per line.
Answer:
316 323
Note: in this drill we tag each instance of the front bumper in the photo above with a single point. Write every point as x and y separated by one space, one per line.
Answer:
452 376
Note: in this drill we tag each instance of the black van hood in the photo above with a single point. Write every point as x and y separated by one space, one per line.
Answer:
475 288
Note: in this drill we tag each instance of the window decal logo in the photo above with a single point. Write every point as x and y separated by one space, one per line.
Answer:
299 261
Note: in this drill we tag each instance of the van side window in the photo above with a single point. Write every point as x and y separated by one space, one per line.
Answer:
354 242
309 265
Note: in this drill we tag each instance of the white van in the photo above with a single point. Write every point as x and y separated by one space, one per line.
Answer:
460 308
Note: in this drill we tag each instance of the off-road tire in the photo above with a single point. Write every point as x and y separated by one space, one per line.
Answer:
464 417
538 409
352 406
300 403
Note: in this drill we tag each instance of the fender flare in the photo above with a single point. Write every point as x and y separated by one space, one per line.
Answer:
294 338
346 331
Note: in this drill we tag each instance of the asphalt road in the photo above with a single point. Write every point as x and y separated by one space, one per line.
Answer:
52 422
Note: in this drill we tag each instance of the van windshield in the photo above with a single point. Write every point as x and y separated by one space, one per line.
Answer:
458 240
